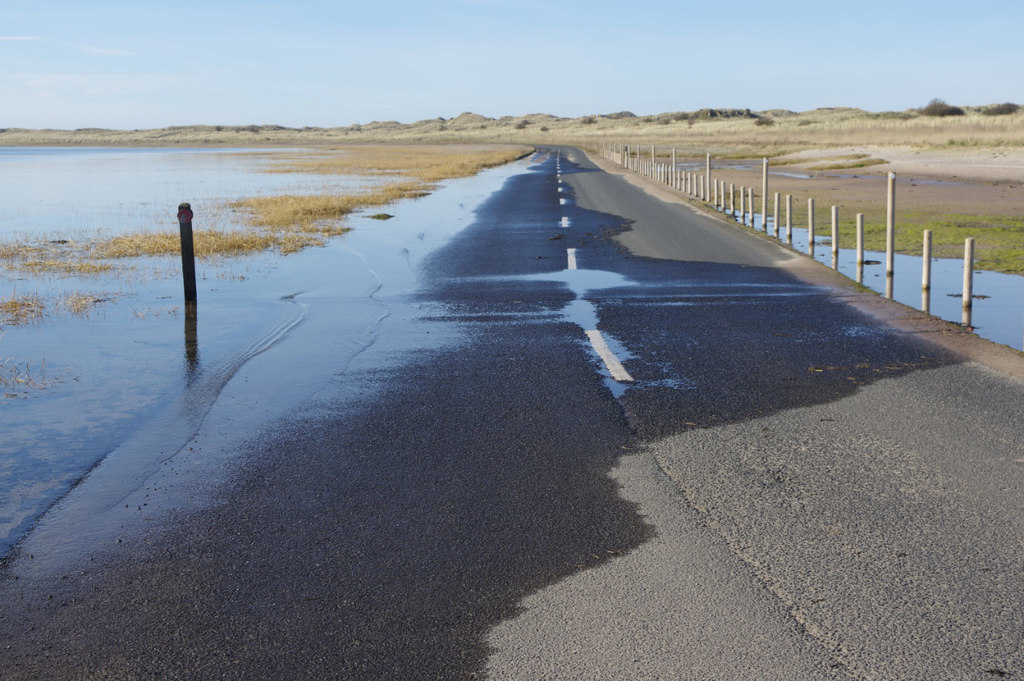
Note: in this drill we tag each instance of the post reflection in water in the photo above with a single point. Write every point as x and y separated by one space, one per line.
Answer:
191 340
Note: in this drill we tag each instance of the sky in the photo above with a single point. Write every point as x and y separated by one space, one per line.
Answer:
141 64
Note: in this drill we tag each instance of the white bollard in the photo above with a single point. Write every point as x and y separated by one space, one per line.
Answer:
860 248
968 280
926 272
750 205
835 237
707 173
764 194
775 216
890 234
810 227
789 221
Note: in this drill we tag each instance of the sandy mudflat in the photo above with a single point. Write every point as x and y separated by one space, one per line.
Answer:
975 188
996 164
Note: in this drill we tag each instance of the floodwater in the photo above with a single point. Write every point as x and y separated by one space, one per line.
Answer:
997 301
132 381
60 192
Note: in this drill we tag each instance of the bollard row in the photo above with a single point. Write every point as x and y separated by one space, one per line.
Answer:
702 186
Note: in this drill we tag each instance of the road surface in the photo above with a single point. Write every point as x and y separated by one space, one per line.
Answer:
651 446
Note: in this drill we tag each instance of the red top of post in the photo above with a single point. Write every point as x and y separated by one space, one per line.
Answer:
184 213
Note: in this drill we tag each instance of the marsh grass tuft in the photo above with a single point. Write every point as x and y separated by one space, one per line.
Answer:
422 165
70 267
208 243
19 379
79 304
313 214
428 162
17 309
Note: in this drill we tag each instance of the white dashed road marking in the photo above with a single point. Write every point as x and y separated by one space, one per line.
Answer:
615 367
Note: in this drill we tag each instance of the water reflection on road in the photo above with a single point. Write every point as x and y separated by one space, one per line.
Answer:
144 376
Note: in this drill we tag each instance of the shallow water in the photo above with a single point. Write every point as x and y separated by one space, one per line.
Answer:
998 304
133 381
60 192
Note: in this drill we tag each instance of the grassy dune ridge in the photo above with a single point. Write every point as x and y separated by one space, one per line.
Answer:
718 130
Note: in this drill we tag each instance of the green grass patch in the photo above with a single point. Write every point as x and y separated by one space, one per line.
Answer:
998 239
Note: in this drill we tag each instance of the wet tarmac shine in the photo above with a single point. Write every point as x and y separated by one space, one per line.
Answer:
383 529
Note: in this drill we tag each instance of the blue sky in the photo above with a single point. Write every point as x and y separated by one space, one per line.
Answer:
141 64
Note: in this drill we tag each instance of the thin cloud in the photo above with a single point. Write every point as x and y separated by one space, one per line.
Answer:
106 51
74 86
18 38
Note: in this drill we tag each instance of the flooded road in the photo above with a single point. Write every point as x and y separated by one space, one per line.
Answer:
559 440
122 382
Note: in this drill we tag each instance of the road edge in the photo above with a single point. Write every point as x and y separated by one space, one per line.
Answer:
952 337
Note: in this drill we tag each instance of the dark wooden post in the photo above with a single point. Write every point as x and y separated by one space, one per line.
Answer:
188 256
191 338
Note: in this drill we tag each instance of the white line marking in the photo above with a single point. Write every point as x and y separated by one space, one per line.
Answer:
615 367
565 221
561 202
572 258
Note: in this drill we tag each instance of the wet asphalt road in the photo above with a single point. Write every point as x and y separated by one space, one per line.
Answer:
396 536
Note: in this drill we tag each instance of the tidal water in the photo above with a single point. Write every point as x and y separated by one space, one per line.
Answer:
130 382
998 299
63 193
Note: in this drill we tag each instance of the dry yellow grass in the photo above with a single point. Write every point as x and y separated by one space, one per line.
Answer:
821 128
430 163
206 243
20 309
75 267
78 303
314 213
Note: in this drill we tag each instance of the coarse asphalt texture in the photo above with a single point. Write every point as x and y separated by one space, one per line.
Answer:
786 489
